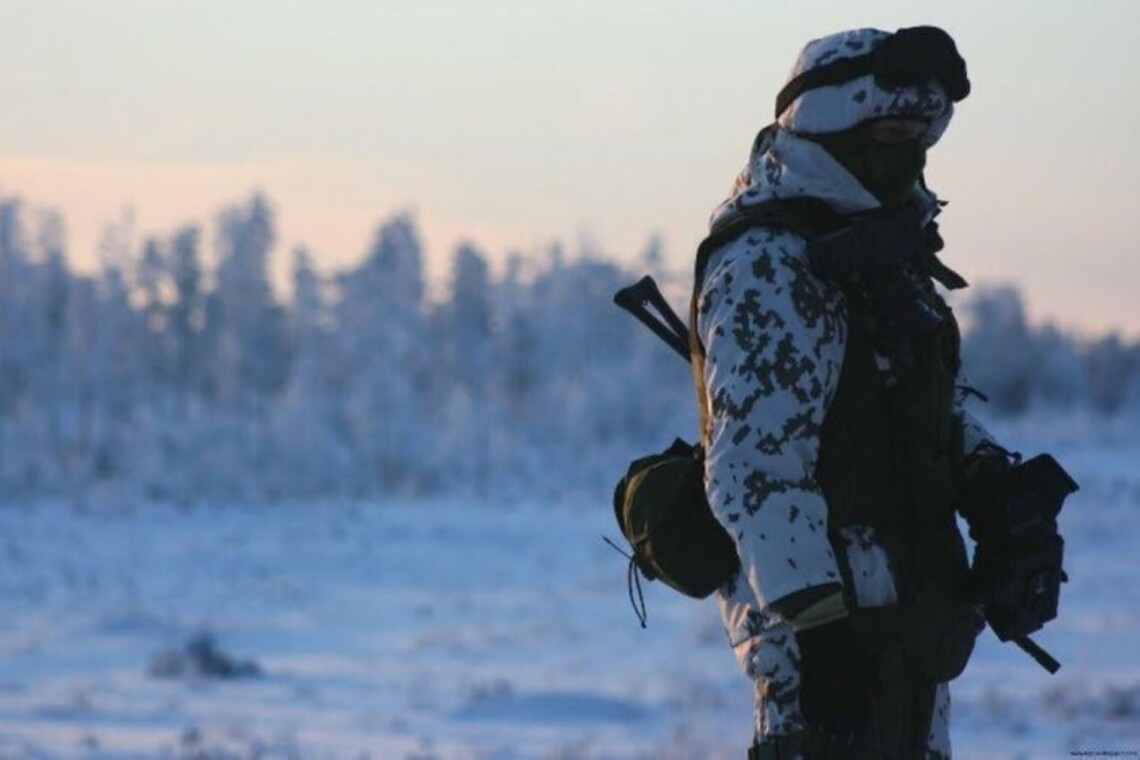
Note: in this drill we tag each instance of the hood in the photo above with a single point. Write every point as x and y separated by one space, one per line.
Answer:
782 164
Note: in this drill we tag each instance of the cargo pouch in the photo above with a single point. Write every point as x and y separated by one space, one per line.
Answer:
662 510
940 636
934 635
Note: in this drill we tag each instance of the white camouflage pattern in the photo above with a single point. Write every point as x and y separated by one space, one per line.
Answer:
784 166
771 658
774 337
840 107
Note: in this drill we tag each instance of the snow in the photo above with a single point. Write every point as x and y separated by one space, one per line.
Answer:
458 630
441 630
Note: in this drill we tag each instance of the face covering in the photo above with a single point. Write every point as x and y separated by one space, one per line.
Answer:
889 171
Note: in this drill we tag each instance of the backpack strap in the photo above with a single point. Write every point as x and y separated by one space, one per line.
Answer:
807 217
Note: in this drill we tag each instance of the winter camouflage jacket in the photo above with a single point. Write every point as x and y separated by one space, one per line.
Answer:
774 335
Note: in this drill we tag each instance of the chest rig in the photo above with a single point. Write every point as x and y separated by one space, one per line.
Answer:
889 436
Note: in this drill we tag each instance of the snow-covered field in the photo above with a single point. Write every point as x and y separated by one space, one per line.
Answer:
465 631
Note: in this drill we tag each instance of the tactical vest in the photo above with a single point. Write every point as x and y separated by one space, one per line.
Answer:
889 457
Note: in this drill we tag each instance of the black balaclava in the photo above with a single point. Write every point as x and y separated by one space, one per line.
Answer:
889 171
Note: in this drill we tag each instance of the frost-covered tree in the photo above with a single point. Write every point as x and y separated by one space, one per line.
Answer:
307 315
250 355
116 375
1113 369
381 326
312 451
465 333
465 421
1059 378
151 279
15 282
514 353
998 351
186 313
16 358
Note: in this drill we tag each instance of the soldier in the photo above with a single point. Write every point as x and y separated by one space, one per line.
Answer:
837 449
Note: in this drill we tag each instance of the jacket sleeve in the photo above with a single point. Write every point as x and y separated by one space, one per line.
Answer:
975 437
774 336
984 463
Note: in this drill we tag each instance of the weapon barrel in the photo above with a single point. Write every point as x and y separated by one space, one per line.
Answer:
1034 650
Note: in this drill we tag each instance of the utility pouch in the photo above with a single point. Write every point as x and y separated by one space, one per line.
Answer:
933 627
936 637
663 512
941 637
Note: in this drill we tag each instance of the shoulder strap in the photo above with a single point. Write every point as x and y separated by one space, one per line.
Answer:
807 217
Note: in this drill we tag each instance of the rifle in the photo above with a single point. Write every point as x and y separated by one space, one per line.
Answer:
665 324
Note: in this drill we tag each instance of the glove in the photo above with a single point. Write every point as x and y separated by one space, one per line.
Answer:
1019 582
1004 502
985 475
837 681
1017 570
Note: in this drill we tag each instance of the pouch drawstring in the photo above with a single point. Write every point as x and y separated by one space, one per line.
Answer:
633 580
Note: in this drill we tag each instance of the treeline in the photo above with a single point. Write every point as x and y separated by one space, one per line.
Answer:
175 372
1021 367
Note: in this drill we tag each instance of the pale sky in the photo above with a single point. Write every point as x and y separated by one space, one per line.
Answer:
514 123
